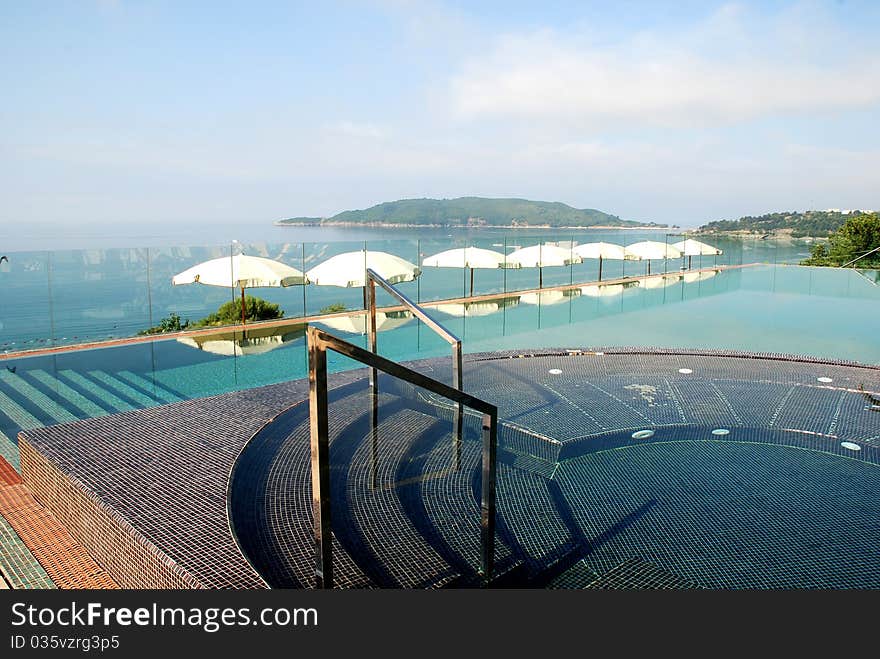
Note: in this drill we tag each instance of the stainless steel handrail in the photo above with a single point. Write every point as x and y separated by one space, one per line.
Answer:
319 342
859 258
374 278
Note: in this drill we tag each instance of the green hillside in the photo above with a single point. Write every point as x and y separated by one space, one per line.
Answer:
818 224
472 211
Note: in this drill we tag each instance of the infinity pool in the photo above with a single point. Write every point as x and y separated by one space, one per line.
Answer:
782 309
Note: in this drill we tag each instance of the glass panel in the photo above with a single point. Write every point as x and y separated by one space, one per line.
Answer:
25 302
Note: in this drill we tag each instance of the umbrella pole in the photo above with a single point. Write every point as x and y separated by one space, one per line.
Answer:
365 297
649 266
600 268
540 277
242 305
690 258
472 282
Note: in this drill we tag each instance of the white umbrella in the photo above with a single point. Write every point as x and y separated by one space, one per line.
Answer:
242 272
542 256
349 270
357 323
548 298
648 250
691 248
257 342
468 257
601 251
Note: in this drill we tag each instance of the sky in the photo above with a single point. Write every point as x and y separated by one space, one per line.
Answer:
123 112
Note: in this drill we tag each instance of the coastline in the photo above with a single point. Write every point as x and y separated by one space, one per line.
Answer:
388 225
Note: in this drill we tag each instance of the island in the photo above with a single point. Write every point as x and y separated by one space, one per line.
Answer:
473 212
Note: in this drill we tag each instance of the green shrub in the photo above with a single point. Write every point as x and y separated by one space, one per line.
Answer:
230 313
336 307
170 323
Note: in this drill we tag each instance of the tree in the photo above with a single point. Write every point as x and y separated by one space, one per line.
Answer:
230 313
858 236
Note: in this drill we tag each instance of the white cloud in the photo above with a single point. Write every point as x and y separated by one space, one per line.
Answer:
720 71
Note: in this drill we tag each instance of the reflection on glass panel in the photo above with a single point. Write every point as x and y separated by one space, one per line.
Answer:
25 321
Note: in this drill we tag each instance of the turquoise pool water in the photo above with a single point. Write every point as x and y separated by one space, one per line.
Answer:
786 309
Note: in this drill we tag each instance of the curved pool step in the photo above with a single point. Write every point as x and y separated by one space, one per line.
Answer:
393 502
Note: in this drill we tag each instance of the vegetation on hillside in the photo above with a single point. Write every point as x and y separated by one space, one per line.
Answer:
818 224
473 211
858 235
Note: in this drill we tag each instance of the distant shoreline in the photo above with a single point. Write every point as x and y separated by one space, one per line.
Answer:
389 225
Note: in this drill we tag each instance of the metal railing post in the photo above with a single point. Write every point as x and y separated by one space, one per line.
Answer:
371 325
320 453
458 414
487 516
318 344
372 345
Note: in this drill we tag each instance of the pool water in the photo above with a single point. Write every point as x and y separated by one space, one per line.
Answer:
819 312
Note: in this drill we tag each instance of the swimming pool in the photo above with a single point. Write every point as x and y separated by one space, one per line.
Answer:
781 309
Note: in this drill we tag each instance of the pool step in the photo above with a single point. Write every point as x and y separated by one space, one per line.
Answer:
19 416
72 396
409 459
98 392
121 388
48 406
154 388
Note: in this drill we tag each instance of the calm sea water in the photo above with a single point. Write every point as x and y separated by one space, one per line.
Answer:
66 289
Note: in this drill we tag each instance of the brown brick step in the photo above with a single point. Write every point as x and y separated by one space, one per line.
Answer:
65 560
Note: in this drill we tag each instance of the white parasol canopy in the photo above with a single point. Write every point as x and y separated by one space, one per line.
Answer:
651 250
241 271
601 251
691 247
542 256
357 323
348 270
468 257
